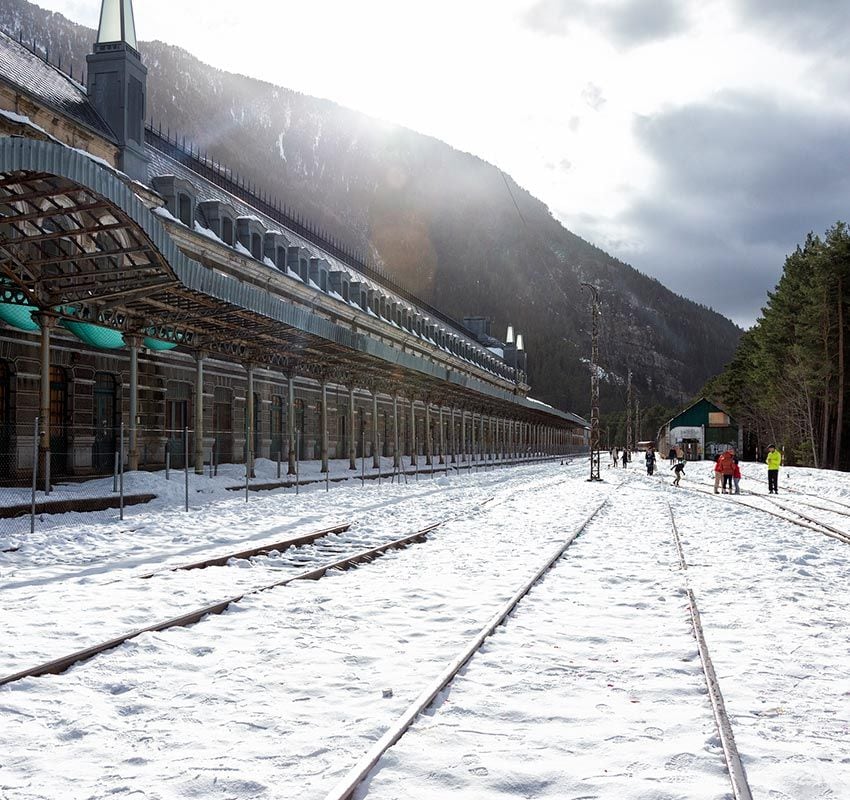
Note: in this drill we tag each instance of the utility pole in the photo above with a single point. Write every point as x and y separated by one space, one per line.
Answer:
595 454
637 420
629 443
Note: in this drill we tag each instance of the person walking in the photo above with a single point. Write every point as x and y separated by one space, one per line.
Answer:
625 457
679 468
672 455
718 475
736 476
650 461
774 462
616 456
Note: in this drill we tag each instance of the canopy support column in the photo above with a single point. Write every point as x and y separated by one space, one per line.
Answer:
199 412
134 342
324 424
352 447
376 456
290 423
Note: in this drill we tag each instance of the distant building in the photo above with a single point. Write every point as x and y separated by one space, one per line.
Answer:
702 430
144 287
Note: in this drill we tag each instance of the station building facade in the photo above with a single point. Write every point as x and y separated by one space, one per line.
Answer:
144 289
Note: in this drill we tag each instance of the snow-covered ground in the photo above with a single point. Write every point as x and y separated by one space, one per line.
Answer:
593 688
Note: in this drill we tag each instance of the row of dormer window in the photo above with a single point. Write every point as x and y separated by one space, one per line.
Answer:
249 235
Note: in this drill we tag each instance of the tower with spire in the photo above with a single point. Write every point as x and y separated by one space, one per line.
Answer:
117 83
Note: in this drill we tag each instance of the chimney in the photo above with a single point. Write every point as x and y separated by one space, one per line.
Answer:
509 339
117 84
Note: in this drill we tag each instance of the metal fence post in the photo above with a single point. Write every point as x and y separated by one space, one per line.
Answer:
115 473
362 459
297 460
34 474
186 465
121 474
167 459
47 467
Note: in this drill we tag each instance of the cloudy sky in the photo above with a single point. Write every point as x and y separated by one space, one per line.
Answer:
699 142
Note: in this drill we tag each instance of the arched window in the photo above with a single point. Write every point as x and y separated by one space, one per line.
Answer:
105 422
7 455
258 424
299 427
317 442
277 427
361 433
385 429
58 421
177 419
223 424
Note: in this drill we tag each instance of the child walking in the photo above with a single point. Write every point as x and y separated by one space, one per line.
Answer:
678 470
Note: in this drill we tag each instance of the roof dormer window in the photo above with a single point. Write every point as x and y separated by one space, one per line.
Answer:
227 231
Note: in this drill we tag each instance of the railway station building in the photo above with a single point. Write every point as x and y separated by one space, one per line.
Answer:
145 289
703 430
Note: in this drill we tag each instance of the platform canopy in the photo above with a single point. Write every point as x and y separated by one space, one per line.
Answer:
77 242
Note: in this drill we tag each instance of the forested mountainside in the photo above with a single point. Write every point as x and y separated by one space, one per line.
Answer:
788 380
447 225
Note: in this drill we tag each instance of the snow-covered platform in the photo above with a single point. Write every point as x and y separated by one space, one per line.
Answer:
593 687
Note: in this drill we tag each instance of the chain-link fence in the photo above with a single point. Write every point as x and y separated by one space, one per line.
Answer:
49 473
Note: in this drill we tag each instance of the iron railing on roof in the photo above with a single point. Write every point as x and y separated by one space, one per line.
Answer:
223 178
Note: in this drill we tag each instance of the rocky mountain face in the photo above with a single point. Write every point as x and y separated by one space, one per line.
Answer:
448 226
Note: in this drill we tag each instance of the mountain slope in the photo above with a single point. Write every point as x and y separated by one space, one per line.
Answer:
447 225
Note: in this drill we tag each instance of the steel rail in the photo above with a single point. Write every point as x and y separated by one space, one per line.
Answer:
260 550
837 533
796 491
345 788
59 665
734 766
833 533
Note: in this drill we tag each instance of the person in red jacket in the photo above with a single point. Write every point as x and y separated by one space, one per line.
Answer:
727 469
736 476
718 475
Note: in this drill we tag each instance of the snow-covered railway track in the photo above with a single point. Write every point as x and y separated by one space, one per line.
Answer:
252 552
807 522
842 536
734 766
347 786
801 493
59 665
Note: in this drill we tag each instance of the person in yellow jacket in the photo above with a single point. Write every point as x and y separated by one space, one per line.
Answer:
773 461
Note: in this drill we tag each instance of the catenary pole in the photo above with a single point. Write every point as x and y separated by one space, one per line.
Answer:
595 448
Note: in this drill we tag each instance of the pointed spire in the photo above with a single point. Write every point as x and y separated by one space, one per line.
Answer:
117 23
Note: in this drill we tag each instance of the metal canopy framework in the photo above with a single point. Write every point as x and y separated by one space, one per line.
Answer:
77 242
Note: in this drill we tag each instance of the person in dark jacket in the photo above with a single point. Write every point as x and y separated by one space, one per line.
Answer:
626 458
678 468
672 455
650 461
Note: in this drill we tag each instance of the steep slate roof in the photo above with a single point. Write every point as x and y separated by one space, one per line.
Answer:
45 83
696 407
